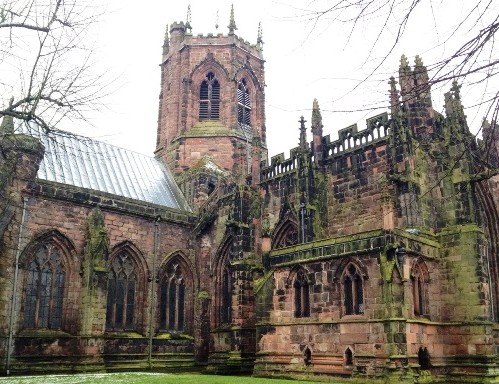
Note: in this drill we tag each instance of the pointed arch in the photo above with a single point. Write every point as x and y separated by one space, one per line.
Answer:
53 236
126 288
48 264
207 80
300 282
224 282
491 221
420 279
351 275
246 71
285 234
209 98
209 64
348 356
175 294
307 356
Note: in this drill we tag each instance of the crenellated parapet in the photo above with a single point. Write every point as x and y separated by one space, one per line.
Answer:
350 140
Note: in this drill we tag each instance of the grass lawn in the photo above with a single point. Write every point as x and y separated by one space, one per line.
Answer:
141 378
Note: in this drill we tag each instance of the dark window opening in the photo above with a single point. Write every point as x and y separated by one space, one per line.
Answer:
243 104
226 305
307 356
348 357
44 290
302 295
353 291
121 287
419 292
424 358
286 237
209 98
172 299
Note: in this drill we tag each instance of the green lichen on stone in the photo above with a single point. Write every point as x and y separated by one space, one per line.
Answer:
203 295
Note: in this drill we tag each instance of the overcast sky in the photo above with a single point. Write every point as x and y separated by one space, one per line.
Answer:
304 61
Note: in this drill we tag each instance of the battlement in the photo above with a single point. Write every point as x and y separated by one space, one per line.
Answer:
350 139
221 39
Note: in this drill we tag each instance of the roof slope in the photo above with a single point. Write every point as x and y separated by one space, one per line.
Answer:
87 163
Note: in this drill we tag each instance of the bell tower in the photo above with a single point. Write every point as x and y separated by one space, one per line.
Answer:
211 105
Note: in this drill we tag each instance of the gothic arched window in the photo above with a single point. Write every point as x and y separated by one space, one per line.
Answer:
225 283
420 280
121 288
172 295
286 236
353 291
348 357
301 286
44 289
226 306
209 98
243 104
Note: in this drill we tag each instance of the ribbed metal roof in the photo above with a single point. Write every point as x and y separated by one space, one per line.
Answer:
87 163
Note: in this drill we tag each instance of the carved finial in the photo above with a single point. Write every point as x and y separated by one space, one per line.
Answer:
316 125
456 90
7 126
403 61
418 61
303 133
259 40
394 94
316 115
216 21
232 23
188 19
166 43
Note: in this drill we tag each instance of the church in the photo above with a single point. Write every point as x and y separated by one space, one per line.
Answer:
372 257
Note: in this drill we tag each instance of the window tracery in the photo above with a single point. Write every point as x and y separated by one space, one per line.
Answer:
286 236
121 292
301 287
420 281
172 296
353 291
43 304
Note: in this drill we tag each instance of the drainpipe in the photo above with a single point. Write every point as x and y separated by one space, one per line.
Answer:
14 290
153 280
302 211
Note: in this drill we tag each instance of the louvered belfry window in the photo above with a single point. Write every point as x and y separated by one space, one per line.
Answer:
209 98
243 104
44 290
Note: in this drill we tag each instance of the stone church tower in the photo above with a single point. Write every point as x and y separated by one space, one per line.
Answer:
211 122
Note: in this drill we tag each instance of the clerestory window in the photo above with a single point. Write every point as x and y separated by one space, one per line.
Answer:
209 98
44 289
243 104
353 291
